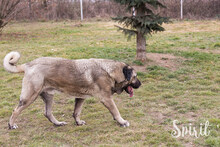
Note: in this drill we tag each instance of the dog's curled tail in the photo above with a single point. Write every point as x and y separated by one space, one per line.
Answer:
10 61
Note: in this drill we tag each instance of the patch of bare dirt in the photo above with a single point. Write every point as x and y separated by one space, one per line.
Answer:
10 36
74 25
161 117
209 51
213 51
139 68
165 60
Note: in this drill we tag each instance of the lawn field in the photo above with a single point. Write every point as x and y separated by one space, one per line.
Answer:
180 81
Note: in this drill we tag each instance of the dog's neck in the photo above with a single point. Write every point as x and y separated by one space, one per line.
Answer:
119 87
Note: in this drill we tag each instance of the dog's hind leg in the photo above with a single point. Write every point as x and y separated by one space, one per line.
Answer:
48 99
29 94
77 111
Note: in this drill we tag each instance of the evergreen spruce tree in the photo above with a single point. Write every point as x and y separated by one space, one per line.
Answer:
144 22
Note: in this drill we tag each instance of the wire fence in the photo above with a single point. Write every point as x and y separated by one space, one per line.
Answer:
70 9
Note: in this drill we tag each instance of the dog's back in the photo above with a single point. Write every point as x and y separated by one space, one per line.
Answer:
75 77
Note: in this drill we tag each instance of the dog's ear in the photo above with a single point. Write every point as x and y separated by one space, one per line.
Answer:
127 73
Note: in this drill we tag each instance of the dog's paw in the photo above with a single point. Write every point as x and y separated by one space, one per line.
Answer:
125 124
12 126
80 123
61 123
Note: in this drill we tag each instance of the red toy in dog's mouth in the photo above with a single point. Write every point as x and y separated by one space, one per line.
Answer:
129 90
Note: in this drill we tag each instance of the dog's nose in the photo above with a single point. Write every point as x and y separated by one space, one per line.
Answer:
139 83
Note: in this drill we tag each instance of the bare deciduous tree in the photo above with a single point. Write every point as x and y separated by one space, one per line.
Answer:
7 9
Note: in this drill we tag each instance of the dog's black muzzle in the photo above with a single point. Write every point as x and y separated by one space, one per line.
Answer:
136 85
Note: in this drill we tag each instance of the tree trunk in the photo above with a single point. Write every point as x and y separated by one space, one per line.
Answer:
141 40
45 3
30 9
141 47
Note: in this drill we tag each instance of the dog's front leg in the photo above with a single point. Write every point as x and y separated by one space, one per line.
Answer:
110 105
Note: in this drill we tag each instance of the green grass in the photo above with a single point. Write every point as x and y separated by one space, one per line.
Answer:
191 93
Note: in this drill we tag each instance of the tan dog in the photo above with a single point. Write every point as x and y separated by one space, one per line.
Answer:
80 78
